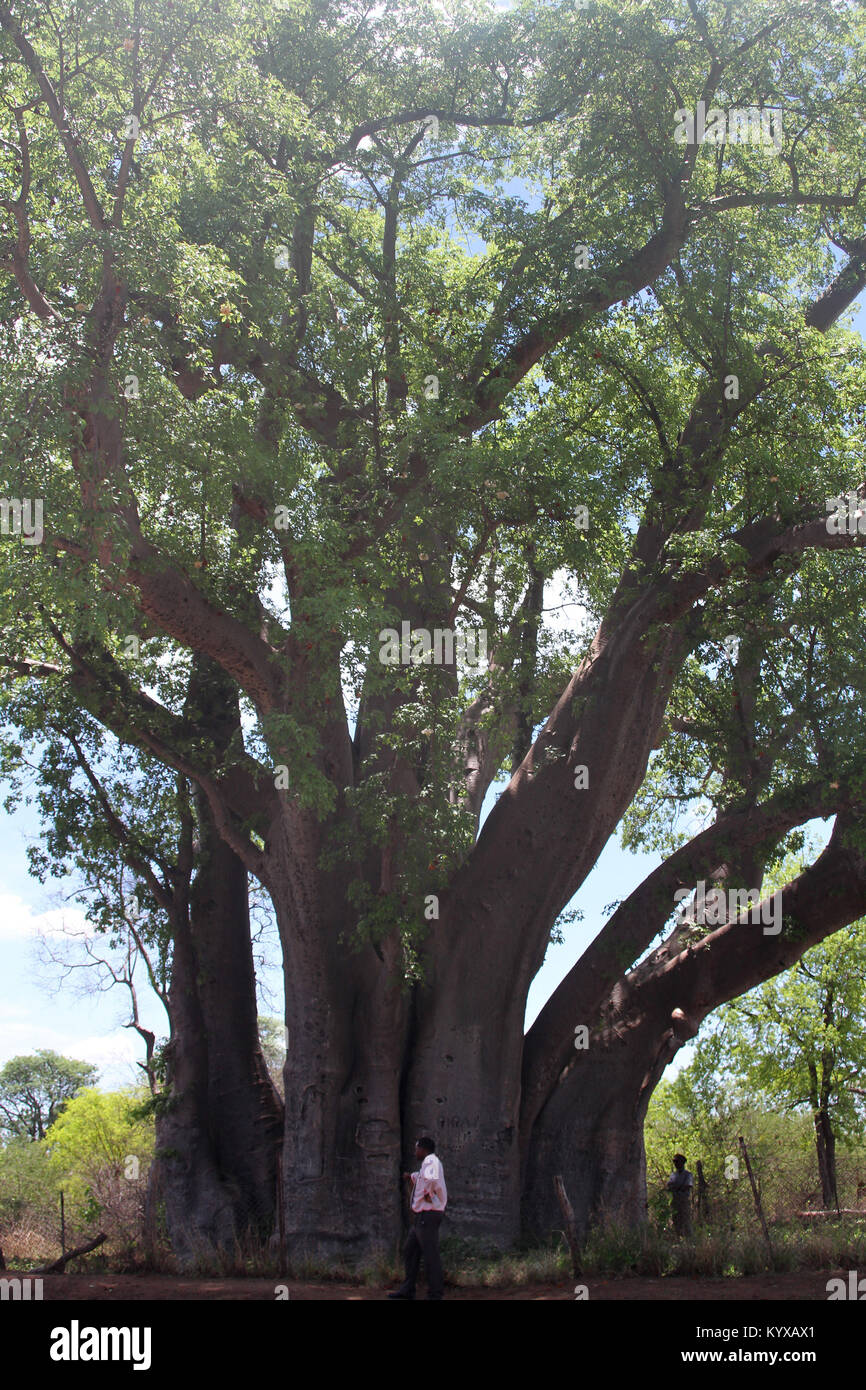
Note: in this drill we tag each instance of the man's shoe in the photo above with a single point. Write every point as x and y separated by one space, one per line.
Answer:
406 1297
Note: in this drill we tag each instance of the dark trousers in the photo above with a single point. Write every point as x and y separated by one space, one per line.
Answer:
423 1239
682 1213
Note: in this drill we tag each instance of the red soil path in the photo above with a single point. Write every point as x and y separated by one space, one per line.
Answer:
798 1287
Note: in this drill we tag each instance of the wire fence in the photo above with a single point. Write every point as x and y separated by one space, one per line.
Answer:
787 1182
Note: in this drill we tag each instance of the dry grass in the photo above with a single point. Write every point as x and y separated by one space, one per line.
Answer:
733 1251
651 1252
26 1245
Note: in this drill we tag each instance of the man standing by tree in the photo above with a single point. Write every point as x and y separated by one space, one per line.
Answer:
680 1187
429 1197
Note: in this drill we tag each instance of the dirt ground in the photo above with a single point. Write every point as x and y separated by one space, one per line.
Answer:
122 1287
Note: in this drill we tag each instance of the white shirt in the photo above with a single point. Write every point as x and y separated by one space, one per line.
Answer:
680 1180
429 1192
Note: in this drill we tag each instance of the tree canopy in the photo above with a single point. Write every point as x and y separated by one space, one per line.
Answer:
35 1089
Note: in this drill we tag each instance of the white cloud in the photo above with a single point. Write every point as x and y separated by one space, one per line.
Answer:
115 1053
19 922
564 613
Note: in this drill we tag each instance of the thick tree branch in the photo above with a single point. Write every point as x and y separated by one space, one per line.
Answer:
642 916
82 177
828 895
668 1003
243 793
18 259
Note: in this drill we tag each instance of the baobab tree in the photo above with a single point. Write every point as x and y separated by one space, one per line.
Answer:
335 342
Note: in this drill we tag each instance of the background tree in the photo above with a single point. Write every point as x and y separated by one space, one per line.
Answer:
34 1090
272 1034
26 1181
100 1150
800 1041
276 406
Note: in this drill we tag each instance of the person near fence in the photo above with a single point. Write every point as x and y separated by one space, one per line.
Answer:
429 1199
680 1185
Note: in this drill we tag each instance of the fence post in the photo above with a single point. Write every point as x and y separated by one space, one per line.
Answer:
756 1196
568 1217
281 1218
703 1199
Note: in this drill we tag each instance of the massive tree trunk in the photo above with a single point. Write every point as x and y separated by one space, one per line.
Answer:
537 845
463 1089
201 1207
219 1136
221 1132
346 1016
591 1130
